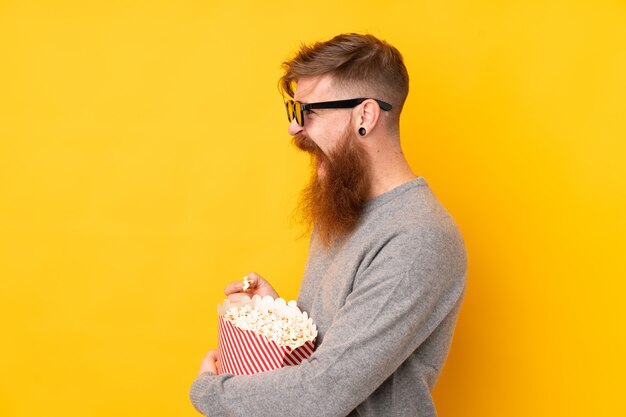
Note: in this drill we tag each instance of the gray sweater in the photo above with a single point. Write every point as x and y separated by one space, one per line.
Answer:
385 302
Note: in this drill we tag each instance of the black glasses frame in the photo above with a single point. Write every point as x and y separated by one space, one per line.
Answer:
295 108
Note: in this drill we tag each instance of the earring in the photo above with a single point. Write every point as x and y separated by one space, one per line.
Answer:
362 131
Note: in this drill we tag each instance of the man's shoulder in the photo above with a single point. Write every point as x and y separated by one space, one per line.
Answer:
414 214
412 231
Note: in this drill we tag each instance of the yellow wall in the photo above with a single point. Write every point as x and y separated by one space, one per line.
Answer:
144 163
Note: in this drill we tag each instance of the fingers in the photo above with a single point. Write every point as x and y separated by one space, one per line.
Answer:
212 355
233 287
254 280
209 363
257 285
235 297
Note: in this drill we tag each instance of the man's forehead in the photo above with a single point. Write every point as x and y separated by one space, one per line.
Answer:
312 89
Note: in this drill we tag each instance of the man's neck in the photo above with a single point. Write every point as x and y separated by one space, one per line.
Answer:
389 168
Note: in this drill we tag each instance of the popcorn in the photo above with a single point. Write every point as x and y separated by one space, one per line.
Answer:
259 334
277 320
246 283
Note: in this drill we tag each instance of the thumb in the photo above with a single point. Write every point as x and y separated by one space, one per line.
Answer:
208 363
255 280
260 286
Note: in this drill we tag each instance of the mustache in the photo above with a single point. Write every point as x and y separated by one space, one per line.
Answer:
306 144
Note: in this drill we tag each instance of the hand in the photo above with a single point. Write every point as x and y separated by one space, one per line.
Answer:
209 363
259 286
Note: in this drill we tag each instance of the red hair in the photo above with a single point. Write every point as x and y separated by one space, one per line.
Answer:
362 63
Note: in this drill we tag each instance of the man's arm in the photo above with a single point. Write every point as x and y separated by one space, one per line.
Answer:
384 319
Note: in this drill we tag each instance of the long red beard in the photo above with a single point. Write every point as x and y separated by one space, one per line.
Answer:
332 203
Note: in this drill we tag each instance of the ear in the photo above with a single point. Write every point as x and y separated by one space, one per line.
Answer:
367 116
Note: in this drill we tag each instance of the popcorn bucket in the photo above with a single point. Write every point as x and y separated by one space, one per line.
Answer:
249 351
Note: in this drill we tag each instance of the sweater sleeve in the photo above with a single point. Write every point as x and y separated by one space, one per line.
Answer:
384 319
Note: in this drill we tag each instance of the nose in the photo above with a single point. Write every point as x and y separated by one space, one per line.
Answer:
294 128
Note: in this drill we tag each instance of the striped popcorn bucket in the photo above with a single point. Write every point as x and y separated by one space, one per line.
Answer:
247 352
243 352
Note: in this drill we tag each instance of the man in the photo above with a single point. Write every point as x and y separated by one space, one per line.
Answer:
387 265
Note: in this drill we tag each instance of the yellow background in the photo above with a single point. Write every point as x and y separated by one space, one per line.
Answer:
145 163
